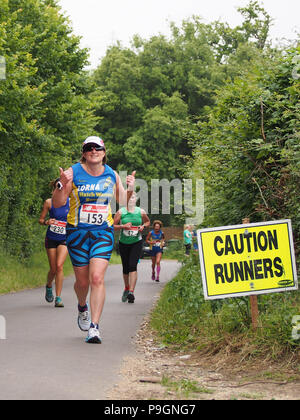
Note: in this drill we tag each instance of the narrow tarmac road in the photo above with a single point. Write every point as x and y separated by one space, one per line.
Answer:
44 355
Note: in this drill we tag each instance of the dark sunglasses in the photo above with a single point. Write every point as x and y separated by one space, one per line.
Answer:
90 147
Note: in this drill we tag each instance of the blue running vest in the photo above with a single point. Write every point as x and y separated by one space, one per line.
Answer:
157 237
57 231
90 198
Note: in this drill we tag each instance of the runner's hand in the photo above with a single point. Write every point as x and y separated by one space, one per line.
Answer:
130 181
66 177
127 226
49 222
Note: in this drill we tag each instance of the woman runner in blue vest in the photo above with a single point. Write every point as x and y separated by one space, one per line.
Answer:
156 240
55 244
91 185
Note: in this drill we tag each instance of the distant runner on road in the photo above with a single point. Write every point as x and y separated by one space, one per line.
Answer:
91 185
131 220
156 240
55 244
187 239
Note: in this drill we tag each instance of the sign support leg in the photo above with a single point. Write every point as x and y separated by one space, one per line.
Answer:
253 298
254 311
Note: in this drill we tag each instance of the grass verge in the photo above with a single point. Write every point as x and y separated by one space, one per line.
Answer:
184 321
184 387
20 275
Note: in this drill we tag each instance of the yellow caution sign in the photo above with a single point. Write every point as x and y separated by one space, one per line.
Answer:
248 259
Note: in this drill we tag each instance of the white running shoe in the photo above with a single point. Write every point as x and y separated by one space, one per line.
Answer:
83 320
93 336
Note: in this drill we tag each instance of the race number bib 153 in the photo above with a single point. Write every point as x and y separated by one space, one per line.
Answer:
58 227
93 214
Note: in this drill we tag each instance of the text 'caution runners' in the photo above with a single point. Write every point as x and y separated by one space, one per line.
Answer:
247 259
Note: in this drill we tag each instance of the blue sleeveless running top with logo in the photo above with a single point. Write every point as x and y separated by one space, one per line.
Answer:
57 230
90 198
157 237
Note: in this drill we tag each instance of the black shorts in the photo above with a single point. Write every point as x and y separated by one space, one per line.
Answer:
188 248
50 243
130 255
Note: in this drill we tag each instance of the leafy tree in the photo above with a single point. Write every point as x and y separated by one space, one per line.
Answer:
248 149
150 147
118 100
133 84
44 112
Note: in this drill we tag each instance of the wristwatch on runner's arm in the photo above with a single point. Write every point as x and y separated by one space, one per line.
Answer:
59 185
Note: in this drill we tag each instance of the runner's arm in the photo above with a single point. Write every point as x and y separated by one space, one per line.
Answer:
44 212
60 196
117 220
148 239
162 239
122 195
145 220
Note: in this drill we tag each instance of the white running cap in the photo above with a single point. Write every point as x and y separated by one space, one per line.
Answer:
94 140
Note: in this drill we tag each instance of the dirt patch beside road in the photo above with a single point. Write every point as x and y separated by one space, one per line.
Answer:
156 373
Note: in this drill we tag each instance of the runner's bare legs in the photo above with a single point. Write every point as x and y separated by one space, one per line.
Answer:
91 277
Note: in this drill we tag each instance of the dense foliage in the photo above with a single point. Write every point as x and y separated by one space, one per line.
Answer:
150 95
44 112
247 150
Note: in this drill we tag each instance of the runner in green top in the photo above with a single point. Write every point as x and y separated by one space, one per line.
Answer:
187 239
132 220
132 235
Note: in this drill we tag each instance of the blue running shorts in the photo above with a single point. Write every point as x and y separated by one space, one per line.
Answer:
84 244
155 250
